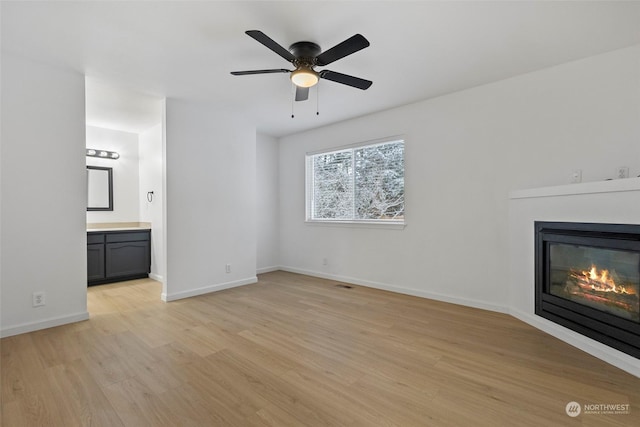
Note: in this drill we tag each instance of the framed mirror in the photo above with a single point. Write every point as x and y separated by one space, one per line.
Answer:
100 188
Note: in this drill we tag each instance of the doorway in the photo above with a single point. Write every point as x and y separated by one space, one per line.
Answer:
125 134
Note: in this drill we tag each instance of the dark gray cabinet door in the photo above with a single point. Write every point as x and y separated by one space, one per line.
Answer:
95 261
127 258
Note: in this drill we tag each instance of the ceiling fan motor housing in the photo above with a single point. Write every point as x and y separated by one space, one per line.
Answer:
305 53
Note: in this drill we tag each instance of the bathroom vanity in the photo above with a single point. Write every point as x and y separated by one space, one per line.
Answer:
116 254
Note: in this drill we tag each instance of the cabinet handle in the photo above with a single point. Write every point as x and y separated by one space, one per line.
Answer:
150 196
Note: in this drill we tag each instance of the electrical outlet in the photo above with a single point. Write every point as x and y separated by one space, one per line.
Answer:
325 261
623 172
227 268
38 299
576 176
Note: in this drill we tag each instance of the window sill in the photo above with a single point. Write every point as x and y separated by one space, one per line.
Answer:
385 225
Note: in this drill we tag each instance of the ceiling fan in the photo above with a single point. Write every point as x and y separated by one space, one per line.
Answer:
305 56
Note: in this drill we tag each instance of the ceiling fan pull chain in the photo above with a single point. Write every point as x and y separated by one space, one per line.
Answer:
317 100
293 95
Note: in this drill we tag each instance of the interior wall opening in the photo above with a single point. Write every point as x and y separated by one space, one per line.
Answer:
125 180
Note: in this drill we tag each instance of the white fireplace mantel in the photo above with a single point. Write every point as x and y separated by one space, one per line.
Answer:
611 186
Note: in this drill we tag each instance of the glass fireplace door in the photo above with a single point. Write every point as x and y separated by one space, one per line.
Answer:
605 279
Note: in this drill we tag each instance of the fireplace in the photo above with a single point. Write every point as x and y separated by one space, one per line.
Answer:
587 278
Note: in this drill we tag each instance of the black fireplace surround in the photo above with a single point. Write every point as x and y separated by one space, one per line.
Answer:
587 278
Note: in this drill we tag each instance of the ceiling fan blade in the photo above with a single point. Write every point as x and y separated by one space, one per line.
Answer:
246 73
347 47
346 79
268 42
302 93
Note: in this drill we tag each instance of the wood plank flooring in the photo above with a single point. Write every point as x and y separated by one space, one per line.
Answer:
294 350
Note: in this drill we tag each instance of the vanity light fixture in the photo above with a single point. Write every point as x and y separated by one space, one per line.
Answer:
104 154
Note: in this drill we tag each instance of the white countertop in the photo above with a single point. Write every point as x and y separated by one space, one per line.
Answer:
95 230
117 226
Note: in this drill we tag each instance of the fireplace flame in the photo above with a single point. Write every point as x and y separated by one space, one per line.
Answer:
602 281
604 290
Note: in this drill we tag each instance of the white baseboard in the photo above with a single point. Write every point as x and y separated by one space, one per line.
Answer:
267 269
207 289
156 277
392 288
43 324
605 353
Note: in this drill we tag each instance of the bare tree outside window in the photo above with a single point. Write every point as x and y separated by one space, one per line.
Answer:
360 184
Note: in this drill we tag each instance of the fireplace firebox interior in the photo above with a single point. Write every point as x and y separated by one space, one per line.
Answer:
588 280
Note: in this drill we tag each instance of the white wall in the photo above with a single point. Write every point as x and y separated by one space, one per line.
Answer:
126 203
150 163
464 152
268 202
44 195
210 160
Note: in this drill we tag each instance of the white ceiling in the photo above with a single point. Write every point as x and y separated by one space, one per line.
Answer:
419 49
112 107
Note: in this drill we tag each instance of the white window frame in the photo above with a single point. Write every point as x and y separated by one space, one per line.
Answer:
309 188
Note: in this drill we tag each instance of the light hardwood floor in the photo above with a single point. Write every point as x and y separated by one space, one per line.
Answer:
296 351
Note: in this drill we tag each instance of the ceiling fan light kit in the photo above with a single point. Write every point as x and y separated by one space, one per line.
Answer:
304 77
305 56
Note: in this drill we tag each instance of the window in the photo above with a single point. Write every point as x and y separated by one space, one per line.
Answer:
360 184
